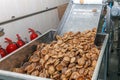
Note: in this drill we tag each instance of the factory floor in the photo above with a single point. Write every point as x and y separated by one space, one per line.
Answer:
113 64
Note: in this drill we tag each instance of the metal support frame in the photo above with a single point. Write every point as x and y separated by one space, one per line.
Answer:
118 49
108 25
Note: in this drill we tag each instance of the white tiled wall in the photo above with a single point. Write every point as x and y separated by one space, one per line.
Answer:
17 8
41 22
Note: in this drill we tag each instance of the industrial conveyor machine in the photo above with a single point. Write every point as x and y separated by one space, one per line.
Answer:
78 17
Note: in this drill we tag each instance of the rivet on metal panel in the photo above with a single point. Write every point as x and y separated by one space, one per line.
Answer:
12 17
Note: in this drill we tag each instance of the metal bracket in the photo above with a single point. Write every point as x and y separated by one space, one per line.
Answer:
1 31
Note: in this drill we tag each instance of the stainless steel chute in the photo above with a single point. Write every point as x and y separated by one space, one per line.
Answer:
80 17
17 58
